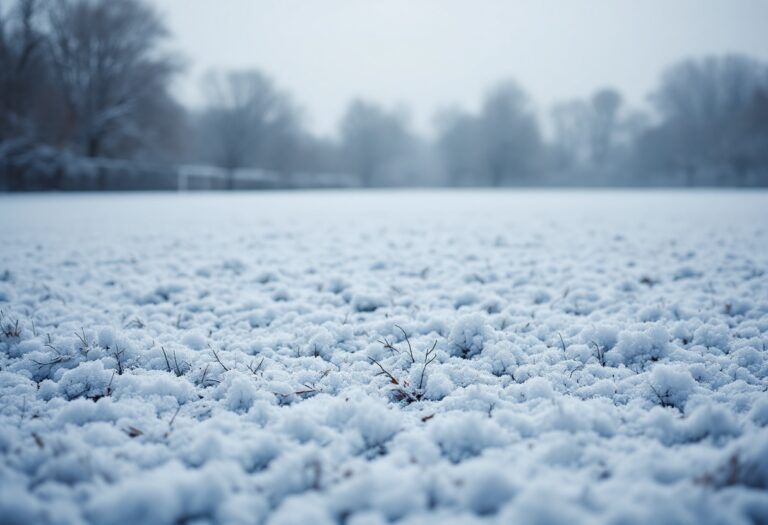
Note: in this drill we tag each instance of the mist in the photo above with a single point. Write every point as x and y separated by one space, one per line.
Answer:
367 94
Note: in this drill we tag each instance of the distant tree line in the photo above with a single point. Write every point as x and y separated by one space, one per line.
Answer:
84 82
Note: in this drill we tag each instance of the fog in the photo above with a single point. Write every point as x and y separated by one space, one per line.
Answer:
433 53
254 94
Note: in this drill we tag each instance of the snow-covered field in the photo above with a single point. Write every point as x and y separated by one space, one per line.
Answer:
359 359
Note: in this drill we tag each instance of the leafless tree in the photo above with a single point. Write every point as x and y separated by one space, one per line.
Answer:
502 145
285 139
243 107
458 145
587 134
373 141
708 110
510 134
570 122
605 106
21 65
111 69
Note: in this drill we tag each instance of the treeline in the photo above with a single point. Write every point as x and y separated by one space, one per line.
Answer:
83 82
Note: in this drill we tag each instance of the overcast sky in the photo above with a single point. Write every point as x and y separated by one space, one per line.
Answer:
428 54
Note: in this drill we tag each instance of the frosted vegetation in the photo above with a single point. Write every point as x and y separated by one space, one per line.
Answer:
385 357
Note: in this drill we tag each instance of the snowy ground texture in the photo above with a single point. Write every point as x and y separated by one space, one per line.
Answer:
591 357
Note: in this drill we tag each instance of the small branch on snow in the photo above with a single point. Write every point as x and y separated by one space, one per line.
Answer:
410 349
217 359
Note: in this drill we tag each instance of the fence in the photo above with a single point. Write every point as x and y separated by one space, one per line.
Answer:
99 174
199 177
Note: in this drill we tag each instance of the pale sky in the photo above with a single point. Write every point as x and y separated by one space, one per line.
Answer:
429 54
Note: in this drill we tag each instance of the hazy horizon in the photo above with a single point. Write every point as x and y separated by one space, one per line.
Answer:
433 54
366 93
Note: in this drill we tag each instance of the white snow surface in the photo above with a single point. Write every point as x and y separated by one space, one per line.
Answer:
593 357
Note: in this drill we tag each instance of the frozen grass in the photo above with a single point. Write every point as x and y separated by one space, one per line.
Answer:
363 358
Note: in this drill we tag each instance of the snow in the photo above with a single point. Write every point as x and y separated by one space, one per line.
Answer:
367 358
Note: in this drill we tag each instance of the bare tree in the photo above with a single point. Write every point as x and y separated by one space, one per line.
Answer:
110 67
587 135
374 140
285 139
605 106
30 105
510 134
571 122
501 145
458 144
21 65
243 108
707 106
747 144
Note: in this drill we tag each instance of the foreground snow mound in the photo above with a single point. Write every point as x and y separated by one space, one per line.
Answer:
375 358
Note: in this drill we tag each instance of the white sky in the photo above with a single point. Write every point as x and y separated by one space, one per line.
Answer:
428 54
